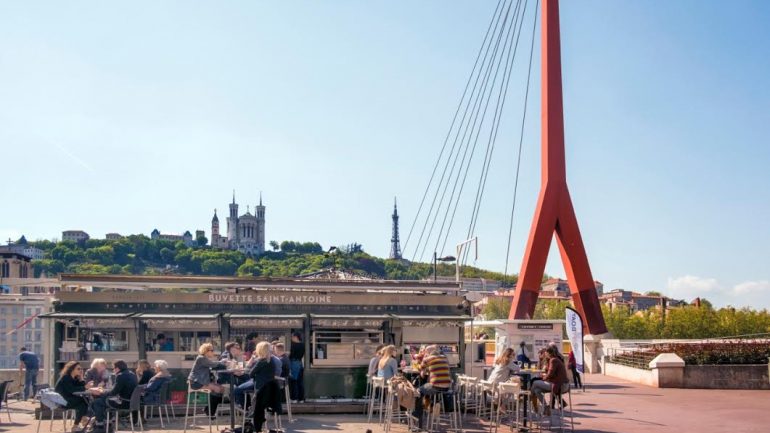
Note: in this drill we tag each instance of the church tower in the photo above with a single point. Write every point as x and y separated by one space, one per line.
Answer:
259 212
232 222
215 230
395 244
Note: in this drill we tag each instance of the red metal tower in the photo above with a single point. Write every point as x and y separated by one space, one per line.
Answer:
554 212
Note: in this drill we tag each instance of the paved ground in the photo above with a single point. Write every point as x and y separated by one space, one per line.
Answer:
608 405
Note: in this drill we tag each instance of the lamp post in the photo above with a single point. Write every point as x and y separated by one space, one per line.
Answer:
460 247
439 259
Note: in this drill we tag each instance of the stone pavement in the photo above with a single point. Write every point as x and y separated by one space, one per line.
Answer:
608 405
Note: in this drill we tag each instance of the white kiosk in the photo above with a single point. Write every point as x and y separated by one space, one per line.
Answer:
535 334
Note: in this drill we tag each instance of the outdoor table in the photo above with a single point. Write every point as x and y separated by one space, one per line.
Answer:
526 377
89 398
231 375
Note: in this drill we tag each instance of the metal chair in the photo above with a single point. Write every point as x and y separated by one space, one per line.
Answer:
4 397
192 394
377 397
65 414
507 402
393 412
439 412
162 404
557 400
134 406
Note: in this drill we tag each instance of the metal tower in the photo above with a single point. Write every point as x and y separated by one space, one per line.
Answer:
395 244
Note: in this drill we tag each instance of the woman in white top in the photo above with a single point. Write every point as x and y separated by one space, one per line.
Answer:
388 366
505 365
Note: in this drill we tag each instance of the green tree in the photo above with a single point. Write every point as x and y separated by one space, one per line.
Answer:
497 307
218 267
274 245
202 241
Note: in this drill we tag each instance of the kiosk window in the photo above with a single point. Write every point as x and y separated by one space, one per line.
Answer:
190 341
341 347
107 340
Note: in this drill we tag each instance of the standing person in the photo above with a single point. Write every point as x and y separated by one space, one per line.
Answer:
200 375
375 361
388 366
572 364
125 383
505 365
297 369
436 367
144 372
522 356
28 361
70 381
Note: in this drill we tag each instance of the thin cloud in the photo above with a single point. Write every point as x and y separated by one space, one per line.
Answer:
72 156
755 294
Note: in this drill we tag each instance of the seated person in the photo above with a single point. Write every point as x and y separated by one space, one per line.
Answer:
232 354
161 377
262 375
387 367
505 365
97 375
553 380
117 398
144 372
69 382
436 367
256 371
275 361
374 362
280 352
200 375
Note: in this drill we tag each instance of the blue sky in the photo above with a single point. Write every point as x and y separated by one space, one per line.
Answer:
129 117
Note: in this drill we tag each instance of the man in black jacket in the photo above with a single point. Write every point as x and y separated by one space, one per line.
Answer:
119 397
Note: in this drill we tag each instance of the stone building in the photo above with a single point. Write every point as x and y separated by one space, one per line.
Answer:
245 233
74 236
186 237
24 248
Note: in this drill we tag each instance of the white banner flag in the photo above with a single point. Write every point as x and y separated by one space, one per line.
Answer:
575 335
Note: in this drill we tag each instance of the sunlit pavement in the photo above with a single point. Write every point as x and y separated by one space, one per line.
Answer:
608 405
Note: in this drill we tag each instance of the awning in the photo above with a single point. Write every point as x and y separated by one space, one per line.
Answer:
270 321
349 320
433 321
154 316
85 315
460 318
185 322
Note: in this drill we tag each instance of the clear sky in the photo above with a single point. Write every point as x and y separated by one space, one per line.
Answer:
131 116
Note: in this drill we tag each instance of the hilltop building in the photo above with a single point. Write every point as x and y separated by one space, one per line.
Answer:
186 237
113 236
74 236
24 248
245 233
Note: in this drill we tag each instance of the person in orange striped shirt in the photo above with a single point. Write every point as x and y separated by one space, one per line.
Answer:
436 367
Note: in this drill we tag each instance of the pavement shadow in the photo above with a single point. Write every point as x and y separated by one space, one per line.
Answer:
606 386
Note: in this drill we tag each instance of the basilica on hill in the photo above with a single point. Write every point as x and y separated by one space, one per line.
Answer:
245 233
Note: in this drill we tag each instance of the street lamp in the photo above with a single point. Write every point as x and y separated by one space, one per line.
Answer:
440 259
460 247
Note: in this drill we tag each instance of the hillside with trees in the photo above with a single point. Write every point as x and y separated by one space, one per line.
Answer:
140 255
689 321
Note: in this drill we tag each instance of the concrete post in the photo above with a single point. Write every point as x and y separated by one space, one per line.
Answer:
593 352
668 371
